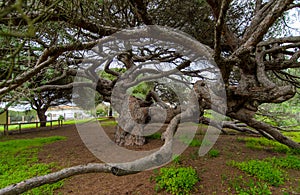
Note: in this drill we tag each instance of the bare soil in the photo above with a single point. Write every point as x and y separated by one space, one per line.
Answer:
215 175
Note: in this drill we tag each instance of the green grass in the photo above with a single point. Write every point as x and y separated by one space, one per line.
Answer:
68 122
19 161
249 187
263 170
109 123
28 126
263 143
187 140
288 162
293 135
271 170
25 126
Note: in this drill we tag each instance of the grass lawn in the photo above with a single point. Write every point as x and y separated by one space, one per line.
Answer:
19 161
30 126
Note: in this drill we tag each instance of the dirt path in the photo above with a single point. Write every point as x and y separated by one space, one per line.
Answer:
214 173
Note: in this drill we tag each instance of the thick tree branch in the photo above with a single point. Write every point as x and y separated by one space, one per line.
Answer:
219 28
65 87
48 57
257 31
264 128
258 6
260 71
159 75
260 25
140 10
281 40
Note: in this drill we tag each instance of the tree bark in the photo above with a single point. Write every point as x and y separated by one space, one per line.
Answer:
135 137
42 117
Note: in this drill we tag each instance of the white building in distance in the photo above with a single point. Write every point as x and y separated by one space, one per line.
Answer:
67 112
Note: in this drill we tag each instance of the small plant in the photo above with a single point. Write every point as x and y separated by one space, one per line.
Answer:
213 153
293 135
176 180
195 143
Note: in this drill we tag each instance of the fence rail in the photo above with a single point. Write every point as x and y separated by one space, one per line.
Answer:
6 126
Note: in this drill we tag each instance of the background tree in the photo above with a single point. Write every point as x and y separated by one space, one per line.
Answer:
41 101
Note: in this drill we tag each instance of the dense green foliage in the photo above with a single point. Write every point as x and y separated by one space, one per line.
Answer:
16 116
285 115
19 161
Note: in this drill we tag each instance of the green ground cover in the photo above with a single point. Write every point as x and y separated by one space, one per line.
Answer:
19 161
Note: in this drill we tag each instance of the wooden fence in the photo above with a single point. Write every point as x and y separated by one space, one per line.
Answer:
6 126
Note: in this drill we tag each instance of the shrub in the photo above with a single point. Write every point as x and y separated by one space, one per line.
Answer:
176 180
